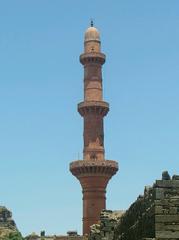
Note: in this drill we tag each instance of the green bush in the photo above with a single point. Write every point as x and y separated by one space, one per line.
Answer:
14 236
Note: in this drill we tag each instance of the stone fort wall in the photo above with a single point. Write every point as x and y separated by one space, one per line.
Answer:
154 215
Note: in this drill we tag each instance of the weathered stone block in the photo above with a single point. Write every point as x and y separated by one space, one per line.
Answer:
173 210
167 234
163 202
159 194
167 218
158 209
167 183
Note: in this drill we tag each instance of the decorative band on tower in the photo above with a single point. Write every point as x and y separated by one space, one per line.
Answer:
93 171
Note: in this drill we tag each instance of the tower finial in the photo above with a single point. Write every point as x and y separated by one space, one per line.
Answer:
92 23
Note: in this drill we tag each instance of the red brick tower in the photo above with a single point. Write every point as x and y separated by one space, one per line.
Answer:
93 171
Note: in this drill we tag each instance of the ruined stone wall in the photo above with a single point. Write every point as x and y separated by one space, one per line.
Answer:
154 215
138 221
107 226
167 208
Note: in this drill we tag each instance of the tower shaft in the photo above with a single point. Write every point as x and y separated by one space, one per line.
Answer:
93 108
93 171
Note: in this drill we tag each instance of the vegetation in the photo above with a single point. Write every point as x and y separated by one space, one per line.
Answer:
13 236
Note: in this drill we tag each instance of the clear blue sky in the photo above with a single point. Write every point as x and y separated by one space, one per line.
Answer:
41 82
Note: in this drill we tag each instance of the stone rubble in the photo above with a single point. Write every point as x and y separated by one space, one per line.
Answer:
106 228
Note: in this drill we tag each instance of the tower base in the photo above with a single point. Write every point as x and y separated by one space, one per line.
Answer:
93 177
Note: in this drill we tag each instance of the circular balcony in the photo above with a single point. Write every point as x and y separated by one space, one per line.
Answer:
92 57
97 107
87 168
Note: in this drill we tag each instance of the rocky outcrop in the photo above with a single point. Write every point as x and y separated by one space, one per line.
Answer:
8 229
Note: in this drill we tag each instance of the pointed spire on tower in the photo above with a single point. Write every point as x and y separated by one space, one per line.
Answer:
92 23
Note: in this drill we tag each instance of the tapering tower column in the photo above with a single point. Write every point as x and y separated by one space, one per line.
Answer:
93 171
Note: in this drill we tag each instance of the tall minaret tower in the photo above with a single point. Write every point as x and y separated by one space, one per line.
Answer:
93 171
